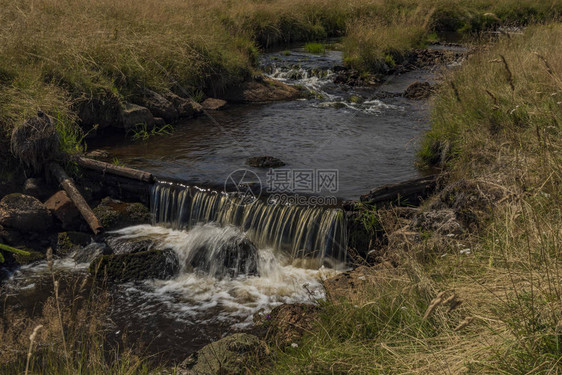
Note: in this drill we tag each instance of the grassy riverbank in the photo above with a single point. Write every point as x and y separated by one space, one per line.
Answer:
57 53
496 129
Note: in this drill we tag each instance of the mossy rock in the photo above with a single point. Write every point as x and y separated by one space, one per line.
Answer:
114 214
151 264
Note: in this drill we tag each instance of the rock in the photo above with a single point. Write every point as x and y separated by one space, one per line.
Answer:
98 154
24 213
228 356
237 256
212 104
68 242
159 106
64 209
114 214
151 264
289 322
265 162
133 115
264 90
186 108
119 245
89 253
439 221
418 90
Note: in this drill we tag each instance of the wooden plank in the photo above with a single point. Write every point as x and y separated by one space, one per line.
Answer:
104 167
410 192
68 185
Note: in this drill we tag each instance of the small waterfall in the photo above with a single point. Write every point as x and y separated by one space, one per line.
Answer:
300 232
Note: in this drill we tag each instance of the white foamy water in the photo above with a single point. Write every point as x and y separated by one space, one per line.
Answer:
196 296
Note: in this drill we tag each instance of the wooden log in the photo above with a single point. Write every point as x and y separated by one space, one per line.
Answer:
103 167
68 185
410 192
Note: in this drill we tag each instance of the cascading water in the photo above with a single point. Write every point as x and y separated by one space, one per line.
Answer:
299 232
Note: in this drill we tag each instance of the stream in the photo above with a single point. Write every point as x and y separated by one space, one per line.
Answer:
368 135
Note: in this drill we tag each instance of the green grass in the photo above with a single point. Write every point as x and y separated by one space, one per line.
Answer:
318 48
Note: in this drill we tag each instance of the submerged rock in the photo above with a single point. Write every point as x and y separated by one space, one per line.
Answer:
265 162
213 104
98 154
151 264
229 355
114 214
24 213
262 90
418 90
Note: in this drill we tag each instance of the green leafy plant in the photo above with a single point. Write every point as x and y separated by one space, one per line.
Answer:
315 48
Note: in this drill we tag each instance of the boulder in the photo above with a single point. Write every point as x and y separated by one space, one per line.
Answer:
265 162
68 242
120 245
133 115
114 214
212 104
186 108
418 90
159 106
24 213
151 264
229 355
262 90
237 256
64 210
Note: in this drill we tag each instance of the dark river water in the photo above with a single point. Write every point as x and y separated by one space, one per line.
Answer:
368 141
